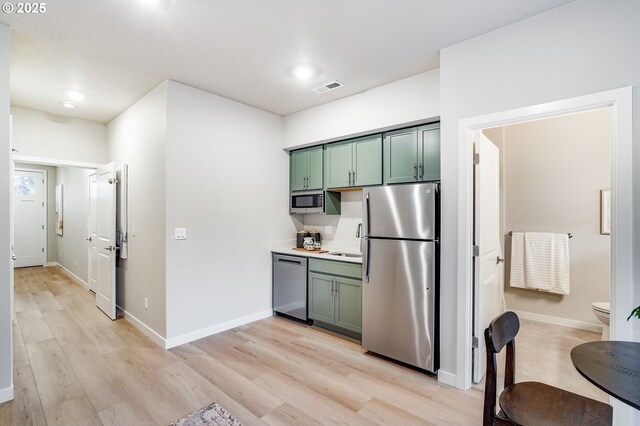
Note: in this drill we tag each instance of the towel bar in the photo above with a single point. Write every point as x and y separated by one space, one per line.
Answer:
568 233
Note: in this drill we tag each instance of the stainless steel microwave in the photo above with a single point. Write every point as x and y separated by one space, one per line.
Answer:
307 202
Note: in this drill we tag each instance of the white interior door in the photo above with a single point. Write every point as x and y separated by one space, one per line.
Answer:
105 240
488 265
29 218
92 228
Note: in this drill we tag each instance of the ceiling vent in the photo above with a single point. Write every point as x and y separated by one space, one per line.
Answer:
332 85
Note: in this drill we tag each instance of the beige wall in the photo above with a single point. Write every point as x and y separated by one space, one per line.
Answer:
72 245
138 137
553 172
44 135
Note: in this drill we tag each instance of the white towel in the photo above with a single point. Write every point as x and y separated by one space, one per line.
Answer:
546 262
516 274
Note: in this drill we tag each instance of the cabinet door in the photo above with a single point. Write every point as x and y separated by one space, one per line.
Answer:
298 170
429 152
314 169
321 300
401 156
349 304
367 161
337 159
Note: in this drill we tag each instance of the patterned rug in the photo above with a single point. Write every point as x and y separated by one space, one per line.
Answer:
212 414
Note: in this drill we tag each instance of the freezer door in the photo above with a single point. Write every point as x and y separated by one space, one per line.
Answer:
398 302
400 211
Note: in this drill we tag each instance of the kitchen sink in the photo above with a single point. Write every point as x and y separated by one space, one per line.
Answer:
339 253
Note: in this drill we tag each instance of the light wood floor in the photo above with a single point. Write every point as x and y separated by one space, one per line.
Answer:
74 366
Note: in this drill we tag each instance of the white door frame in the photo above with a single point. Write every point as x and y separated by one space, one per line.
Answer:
45 175
620 101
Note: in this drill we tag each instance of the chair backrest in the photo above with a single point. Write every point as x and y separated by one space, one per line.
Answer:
501 331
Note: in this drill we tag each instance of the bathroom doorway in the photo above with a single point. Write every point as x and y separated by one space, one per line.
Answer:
550 179
621 212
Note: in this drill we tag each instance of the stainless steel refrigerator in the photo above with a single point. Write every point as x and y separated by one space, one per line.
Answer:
400 273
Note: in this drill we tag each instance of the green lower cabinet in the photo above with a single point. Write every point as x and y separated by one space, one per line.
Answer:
336 301
349 304
321 298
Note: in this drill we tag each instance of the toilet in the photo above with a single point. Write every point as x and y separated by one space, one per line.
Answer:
601 310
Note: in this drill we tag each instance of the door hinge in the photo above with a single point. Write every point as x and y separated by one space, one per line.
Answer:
43 227
43 249
43 204
113 181
476 158
476 251
474 342
42 180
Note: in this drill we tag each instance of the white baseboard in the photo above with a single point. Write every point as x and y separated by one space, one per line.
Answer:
50 264
6 394
447 378
580 325
146 330
208 331
74 276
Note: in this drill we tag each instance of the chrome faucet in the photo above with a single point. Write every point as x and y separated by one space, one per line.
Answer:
359 230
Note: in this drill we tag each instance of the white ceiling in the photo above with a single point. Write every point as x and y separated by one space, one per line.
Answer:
115 51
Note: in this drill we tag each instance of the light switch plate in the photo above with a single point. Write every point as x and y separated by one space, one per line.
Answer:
180 233
328 230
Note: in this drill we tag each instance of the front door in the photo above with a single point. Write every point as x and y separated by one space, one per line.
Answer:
488 262
29 218
104 268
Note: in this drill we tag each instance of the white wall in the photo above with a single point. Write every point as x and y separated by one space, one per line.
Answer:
407 101
6 270
44 135
227 183
72 245
51 207
580 48
138 137
554 170
343 227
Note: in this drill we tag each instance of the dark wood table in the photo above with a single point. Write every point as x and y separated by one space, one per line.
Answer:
612 366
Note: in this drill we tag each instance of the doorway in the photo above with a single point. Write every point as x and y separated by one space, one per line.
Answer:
622 214
29 217
550 177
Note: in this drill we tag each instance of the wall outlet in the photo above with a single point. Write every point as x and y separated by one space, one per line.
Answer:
146 303
328 230
180 233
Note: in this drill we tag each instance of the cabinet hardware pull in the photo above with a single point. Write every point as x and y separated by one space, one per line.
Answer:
354 177
421 174
349 177
415 171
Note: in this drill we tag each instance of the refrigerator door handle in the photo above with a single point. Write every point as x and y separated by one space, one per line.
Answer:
365 260
368 216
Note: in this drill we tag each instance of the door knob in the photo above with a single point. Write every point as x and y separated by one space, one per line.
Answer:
500 259
13 257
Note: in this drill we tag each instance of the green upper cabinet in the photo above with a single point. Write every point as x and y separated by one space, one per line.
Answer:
412 155
401 156
306 169
429 152
354 163
338 165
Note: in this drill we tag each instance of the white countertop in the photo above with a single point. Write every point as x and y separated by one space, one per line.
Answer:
286 247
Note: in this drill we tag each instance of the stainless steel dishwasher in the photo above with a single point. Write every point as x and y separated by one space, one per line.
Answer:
290 285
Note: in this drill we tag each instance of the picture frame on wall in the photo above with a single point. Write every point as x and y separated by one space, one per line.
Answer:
59 216
605 212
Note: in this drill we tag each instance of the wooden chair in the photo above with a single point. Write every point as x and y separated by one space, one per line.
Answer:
531 403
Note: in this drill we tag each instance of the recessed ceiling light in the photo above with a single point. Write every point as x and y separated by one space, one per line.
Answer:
68 105
74 95
303 72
